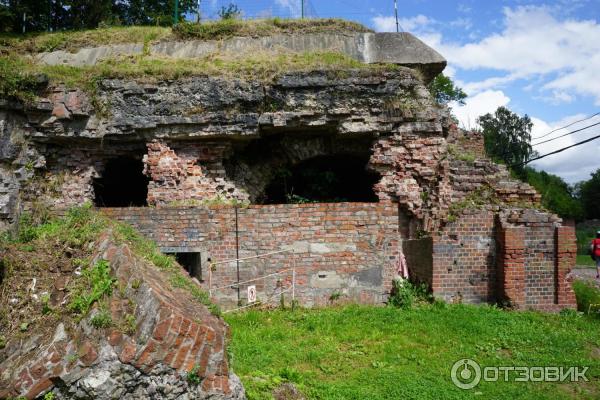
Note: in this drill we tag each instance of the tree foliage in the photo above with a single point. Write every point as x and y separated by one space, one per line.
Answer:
507 137
444 90
44 15
589 193
557 196
230 11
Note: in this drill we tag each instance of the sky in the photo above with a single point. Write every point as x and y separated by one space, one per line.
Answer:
540 58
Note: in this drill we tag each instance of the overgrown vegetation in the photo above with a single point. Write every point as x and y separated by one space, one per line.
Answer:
374 353
148 249
16 81
444 90
46 251
588 297
74 40
261 66
229 27
557 195
406 294
97 283
476 199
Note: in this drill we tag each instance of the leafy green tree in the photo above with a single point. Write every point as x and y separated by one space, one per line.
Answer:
507 138
230 11
444 90
589 193
152 12
88 14
557 195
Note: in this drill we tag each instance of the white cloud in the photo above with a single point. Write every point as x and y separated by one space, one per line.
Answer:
414 24
478 105
292 6
572 165
566 53
465 23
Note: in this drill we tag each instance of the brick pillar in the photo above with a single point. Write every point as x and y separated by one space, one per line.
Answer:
511 264
566 255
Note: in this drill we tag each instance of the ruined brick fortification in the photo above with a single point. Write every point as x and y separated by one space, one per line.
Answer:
348 248
172 334
205 140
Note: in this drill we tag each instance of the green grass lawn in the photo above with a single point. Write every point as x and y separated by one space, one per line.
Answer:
359 352
584 260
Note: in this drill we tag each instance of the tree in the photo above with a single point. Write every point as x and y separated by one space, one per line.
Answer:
231 11
507 138
557 195
152 12
88 14
589 193
444 90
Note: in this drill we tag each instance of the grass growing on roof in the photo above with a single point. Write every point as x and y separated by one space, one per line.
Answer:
75 40
379 353
223 29
211 30
17 73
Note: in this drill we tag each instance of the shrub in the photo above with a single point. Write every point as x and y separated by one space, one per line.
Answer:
406 294
588 297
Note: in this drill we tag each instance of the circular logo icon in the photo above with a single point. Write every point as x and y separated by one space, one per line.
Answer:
466 374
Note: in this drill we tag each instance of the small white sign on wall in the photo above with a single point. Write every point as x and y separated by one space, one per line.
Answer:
251 294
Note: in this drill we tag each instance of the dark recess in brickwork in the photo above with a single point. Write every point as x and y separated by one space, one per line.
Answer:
122 184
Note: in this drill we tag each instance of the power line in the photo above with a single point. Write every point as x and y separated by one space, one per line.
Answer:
566 126
566 134
555 152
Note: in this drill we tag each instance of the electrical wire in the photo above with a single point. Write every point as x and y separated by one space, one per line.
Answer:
566 134
566 126
555 152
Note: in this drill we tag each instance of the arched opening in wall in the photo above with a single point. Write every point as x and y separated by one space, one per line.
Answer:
122 184
324 179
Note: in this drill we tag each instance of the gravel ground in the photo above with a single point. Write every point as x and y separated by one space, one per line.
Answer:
586 273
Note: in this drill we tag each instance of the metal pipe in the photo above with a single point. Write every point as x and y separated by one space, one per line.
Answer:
396 12
302 9
237 255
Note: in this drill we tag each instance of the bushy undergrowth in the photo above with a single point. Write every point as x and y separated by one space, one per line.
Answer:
406 294
45 247
588 297
17 81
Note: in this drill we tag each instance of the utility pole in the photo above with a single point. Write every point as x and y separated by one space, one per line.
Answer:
302 1
199 11
396 12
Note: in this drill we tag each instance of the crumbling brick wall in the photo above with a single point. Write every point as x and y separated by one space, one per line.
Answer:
521 257
345 248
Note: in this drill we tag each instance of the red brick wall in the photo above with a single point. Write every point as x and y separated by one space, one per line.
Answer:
350 248
463 259
480 258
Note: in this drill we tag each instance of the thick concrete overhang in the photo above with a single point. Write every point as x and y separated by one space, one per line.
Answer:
392 48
